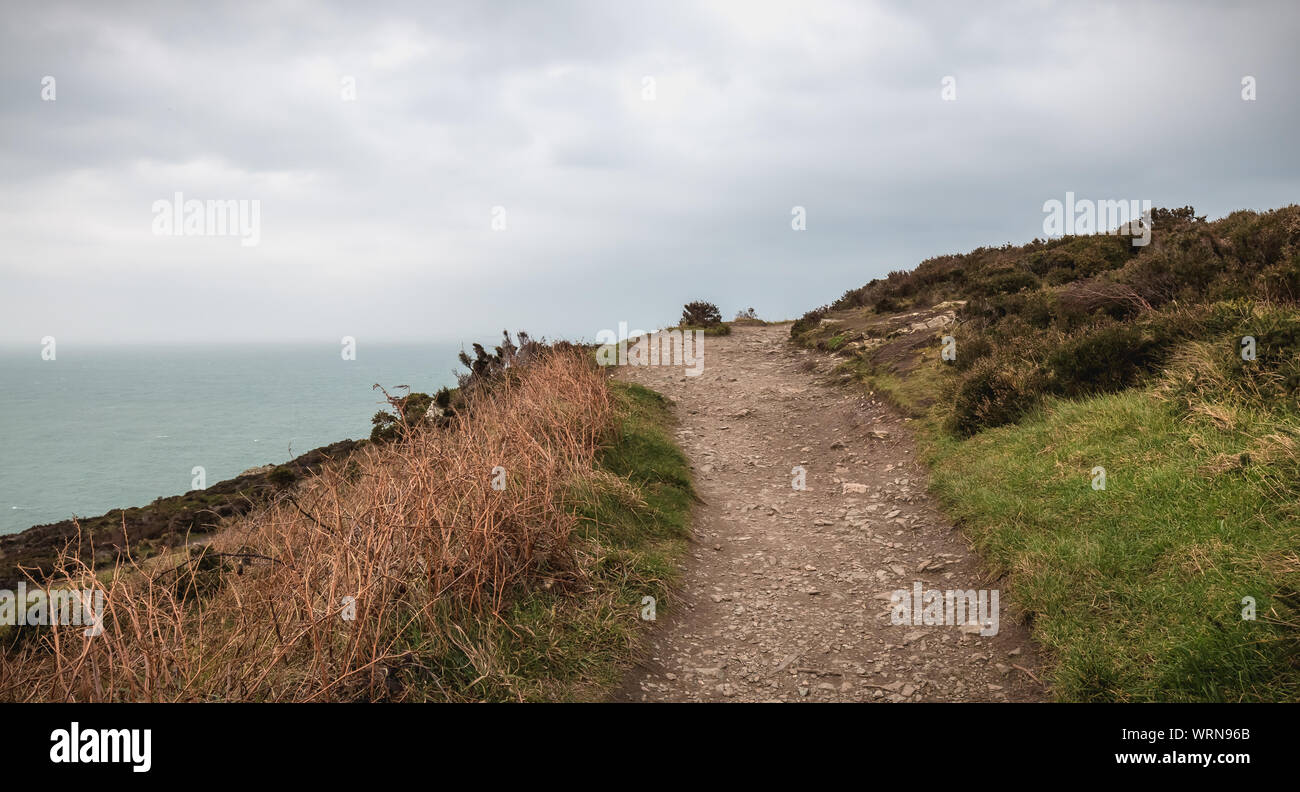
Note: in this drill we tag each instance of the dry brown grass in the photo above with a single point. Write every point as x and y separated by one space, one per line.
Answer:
413 531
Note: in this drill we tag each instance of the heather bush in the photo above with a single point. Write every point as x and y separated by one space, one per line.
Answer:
1106 358
808 321
991 394
700 314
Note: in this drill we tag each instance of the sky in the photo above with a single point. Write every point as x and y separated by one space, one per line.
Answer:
436 171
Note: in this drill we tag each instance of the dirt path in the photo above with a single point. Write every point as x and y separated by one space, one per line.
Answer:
786 592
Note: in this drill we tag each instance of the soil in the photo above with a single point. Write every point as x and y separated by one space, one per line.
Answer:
785 593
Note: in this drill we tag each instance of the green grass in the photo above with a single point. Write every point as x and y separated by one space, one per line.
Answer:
913 394
1084 352
575 645
1137 590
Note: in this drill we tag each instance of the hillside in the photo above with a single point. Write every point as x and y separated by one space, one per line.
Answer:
1118 430
166 523
501 549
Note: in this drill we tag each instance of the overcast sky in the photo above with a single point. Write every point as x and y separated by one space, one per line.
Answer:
623 197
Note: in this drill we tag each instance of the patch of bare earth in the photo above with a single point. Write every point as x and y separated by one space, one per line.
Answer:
786 592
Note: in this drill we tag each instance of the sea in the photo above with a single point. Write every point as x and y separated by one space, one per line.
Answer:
99 428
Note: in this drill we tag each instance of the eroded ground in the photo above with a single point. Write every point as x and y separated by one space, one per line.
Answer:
786 592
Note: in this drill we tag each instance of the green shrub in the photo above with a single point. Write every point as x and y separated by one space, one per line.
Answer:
282 477
1281 282
1273 377
808 321
700 314
1107 358
991 395
1008 282
408 412
972 346
887 305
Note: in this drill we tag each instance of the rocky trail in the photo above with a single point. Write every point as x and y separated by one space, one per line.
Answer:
786 592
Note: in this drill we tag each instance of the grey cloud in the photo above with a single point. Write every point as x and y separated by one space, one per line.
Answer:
375 213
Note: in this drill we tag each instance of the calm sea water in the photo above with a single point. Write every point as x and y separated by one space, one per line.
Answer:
102 428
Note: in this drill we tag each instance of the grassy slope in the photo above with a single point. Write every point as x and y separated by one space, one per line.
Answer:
568 638
575 645
1137 589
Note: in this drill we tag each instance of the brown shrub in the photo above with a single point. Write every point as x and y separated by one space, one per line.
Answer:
1088 297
